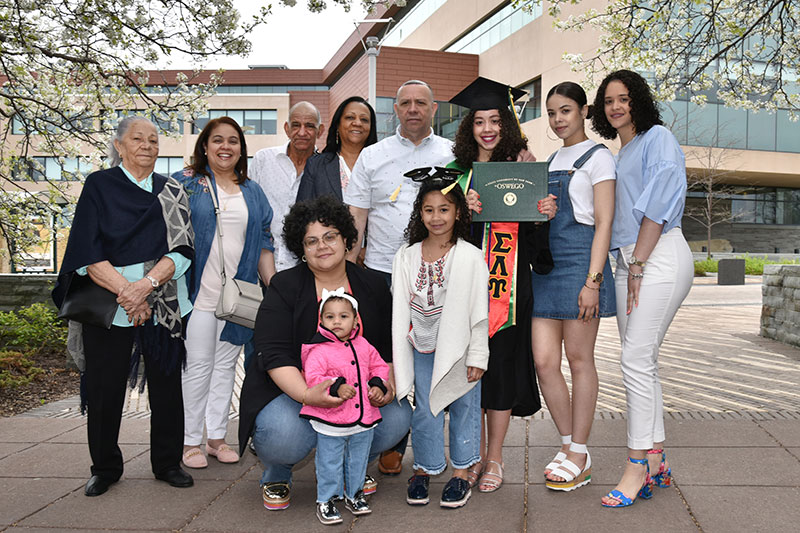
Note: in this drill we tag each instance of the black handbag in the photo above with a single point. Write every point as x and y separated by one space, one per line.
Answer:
88 303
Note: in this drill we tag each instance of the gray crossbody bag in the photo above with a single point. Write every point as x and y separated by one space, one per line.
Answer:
238 300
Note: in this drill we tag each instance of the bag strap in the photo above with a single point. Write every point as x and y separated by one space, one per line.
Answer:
219 230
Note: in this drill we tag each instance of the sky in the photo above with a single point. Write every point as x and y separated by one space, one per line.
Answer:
293 36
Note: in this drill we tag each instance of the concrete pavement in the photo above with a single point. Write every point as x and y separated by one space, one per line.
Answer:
733 426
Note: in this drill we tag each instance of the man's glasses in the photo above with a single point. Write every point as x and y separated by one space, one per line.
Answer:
447 175
330 238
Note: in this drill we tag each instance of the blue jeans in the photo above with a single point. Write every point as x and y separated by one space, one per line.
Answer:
341 458
427 431
283 439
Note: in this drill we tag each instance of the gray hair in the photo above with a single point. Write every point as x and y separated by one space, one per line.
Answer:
308 105
114 159
415 82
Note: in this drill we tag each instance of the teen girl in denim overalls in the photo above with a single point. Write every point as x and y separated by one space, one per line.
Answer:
569 301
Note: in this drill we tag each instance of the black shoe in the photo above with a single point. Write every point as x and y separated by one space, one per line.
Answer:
358 505
418 489
455 493
97 485
176 477
328 514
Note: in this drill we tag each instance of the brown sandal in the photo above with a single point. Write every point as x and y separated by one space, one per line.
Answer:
474 473
491 484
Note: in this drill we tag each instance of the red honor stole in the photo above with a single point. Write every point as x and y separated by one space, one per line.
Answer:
500 244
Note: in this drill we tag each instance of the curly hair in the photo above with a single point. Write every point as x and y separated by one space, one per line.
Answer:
334 144
511 142
416 230
326 210
644 109
200 159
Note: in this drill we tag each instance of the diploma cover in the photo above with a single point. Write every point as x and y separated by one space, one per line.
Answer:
510 191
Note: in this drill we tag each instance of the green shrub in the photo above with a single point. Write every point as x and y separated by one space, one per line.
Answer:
16 369
753 265
32 328
706 265
699 270
25 335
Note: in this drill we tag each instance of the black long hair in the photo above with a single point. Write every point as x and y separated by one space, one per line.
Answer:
333 143
511 142
416 230
644 109
574 92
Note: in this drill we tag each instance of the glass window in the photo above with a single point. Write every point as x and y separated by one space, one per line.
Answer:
238 116
252 121
761 130
702 125
495 28
50 168
673 114
732 128
166 166
788 133
533 109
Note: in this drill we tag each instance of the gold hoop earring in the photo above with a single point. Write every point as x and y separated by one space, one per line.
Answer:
547 134
303 259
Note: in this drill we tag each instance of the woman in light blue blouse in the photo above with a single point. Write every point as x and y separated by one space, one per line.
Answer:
654 266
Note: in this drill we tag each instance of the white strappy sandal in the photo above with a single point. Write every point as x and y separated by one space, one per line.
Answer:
572 474
560 456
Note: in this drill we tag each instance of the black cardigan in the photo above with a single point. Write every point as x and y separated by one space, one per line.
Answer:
321 177
288 319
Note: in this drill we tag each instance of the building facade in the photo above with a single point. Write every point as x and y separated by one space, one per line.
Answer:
448 43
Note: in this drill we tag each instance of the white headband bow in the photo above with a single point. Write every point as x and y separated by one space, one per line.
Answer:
340 293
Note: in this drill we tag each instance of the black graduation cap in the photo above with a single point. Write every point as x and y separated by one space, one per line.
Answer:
440 173
484 93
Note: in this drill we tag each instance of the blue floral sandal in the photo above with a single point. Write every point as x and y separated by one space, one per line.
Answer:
663 478
645 493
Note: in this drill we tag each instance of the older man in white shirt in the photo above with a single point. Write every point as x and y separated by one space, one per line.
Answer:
278 171
378 174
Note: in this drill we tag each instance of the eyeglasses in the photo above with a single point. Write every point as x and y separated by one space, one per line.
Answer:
447 175
330 238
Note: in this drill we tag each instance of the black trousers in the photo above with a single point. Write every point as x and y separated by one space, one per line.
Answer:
108 356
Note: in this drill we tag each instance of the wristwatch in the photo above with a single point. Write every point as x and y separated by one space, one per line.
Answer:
597 277
153 281
636 262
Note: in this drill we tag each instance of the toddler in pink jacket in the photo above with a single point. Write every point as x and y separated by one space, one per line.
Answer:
344 433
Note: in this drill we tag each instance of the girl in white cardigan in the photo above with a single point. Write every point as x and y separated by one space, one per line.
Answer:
440 337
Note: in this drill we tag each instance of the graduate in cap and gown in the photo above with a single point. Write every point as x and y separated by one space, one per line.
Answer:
491 132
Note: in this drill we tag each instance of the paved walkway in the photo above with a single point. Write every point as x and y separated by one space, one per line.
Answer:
733 425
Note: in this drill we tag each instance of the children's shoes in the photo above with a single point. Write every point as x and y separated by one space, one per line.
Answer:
328 514
358 505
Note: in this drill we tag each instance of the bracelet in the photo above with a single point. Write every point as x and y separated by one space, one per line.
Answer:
303 400
637 276
592 288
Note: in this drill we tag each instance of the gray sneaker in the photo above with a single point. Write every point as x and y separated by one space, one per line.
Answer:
328 514
358 505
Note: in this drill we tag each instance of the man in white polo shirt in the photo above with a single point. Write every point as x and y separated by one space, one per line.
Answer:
278 171
373 194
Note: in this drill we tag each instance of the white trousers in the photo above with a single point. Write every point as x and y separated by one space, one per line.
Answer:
208 378
667 280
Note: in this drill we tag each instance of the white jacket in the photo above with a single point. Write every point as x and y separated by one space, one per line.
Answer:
463 339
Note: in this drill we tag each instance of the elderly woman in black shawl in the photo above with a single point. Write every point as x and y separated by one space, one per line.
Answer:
132 235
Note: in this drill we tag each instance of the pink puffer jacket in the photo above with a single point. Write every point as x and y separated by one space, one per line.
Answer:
355 360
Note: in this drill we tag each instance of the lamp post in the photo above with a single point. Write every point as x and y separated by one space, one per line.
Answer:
372 48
